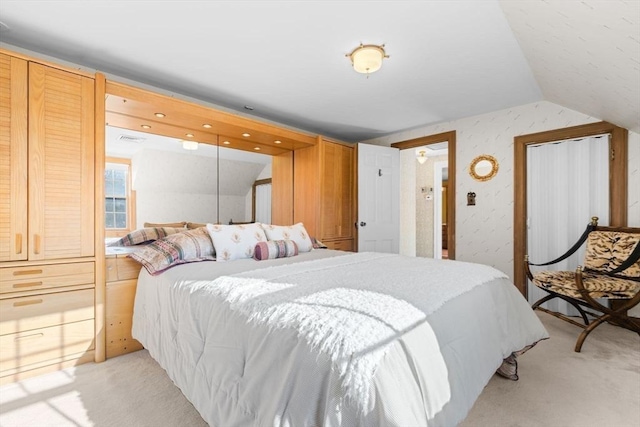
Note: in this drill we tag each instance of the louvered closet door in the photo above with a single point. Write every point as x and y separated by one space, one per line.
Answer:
13 158
61 164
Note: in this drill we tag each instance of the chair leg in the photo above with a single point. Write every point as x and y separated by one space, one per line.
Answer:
542 301
588 330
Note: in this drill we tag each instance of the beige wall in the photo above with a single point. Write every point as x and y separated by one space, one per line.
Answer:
425 208
484 233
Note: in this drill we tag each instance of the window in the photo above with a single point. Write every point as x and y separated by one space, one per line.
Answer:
119 206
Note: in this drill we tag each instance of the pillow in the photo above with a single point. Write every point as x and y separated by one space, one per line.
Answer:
192 225
186 246
145 235
235 241
317 244
275 249
296 232
182 224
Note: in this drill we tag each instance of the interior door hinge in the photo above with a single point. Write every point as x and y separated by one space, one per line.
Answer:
613 154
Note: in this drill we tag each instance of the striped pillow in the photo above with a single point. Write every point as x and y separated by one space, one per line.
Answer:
180 248
145 235
275 249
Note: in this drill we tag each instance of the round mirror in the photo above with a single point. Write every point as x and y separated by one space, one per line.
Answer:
483 168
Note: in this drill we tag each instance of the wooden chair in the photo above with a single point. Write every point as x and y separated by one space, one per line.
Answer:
611 271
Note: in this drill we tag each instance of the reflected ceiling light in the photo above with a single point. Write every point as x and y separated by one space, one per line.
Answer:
246 135
159 115
207 126
277 141
422 157
189 135
226 142
257 148
145 126
367 58
190 145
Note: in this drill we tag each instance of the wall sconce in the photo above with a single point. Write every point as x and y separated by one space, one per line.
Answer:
190 145
422 157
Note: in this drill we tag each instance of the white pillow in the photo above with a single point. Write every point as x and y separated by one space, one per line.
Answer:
235 241
296 232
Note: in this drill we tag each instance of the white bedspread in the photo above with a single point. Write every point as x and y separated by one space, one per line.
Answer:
358 339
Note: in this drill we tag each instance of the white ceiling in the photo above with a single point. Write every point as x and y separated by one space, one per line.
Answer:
448 59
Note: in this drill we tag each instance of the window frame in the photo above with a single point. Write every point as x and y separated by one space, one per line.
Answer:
130 195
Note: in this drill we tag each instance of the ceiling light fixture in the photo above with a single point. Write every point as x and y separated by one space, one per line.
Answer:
145 126
257 148
246 135
207 126
422 157
367 58
189 135
159 115
226 142
277 141
190 145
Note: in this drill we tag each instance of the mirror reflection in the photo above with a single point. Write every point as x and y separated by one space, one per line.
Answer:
152 178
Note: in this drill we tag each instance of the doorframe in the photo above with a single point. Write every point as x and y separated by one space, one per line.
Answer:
618 162
450 138
437 211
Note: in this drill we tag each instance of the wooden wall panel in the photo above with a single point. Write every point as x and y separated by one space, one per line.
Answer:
282 189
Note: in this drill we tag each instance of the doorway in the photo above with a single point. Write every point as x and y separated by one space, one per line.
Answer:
409 203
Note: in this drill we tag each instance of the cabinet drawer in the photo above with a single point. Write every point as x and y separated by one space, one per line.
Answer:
39 345
340 245
41 311
28 278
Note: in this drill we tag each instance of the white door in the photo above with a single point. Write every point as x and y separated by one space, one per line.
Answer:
378 198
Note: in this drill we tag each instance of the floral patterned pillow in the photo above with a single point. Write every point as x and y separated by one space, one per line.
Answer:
296 232
235 241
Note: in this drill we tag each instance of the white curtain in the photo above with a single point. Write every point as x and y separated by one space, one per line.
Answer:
263 203
567 184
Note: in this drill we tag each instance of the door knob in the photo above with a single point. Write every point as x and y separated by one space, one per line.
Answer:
363 224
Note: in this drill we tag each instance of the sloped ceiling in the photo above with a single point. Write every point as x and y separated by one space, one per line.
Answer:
286 60
585 55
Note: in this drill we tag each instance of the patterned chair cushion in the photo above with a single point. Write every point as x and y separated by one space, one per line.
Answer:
599 286
606 250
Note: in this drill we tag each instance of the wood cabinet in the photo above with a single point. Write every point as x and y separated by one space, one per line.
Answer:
324 192
47 201
122 275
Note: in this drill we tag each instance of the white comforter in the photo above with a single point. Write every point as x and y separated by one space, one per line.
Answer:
359 339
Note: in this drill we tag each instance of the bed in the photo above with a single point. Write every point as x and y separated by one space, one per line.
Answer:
329 338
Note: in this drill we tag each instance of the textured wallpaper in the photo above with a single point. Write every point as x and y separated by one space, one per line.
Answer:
485 232
425 208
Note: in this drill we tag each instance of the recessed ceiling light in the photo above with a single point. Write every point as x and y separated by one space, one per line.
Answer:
226 142
159 115
189 135
246 135
145 126
207 126
257 148
277 141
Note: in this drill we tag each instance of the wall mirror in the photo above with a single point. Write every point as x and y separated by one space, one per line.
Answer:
483 167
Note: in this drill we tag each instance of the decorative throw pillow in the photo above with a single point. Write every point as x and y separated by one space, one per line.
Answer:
235 241
180 248
275 249
296 232
317 244
144 235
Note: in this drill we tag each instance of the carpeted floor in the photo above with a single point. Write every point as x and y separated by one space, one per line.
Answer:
557 387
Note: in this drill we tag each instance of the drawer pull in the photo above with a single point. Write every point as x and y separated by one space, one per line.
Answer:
30 302
18 243
36 244
26 337
27 272
27 285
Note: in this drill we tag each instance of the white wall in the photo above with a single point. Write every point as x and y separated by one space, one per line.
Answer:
484 233
265 174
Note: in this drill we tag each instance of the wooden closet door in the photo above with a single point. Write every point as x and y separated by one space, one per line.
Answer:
337 191
61 164
13 158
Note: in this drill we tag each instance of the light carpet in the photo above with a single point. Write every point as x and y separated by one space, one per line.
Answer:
557 387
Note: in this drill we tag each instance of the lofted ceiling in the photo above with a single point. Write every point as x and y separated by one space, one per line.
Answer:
286 60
